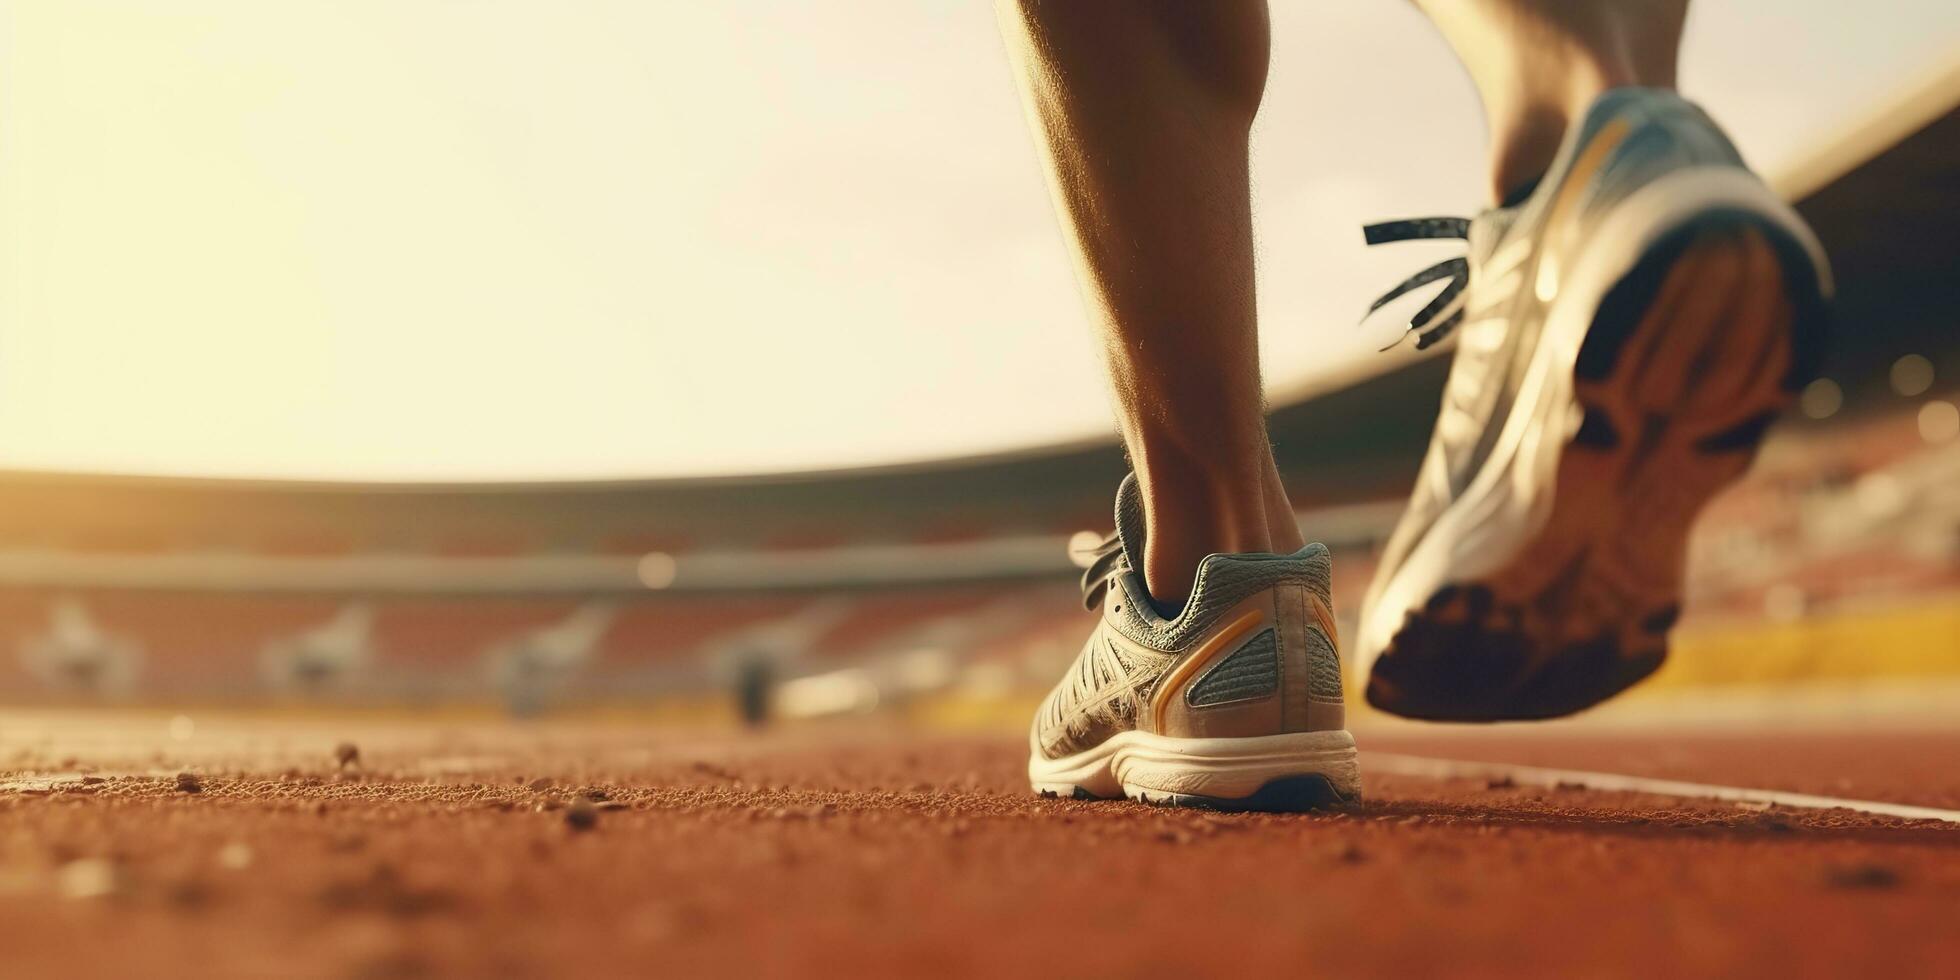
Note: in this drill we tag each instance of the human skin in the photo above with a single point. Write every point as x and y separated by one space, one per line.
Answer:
1143 111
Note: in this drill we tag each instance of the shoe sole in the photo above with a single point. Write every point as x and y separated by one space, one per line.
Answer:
1291 772
1688 359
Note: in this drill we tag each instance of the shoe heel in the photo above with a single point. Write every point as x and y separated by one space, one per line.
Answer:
1300 770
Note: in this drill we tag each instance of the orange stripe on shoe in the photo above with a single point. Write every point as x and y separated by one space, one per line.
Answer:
1590 159
1205 654
1323 615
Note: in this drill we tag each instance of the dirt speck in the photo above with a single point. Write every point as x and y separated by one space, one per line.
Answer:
1864 875
347 754
187 782
581 815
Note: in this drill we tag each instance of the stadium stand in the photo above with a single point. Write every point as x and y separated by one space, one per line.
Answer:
966 557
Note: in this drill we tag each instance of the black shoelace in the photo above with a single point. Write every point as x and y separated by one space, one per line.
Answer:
1428 325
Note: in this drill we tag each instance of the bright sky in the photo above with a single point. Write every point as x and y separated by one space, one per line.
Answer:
453 239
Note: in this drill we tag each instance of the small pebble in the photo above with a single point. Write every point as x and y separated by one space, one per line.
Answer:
235 856
581 815
86 878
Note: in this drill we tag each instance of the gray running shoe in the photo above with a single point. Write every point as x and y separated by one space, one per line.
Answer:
1233 704
1625 337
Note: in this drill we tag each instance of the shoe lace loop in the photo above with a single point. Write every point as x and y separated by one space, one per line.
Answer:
1106 560
1444 311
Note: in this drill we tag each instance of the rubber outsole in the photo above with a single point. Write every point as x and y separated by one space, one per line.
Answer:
1290 794
1690 357
1281 771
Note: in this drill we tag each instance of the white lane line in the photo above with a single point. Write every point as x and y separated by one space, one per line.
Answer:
1425 767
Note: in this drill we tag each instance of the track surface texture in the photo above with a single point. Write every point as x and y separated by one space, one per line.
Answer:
466 848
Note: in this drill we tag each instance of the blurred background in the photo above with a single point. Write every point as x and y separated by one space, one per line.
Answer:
725 362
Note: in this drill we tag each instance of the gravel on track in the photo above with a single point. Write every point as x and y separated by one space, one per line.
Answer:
460 848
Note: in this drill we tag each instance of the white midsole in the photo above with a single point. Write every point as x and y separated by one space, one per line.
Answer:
1509 500
1223 768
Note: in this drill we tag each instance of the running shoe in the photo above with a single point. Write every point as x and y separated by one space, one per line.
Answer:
1626 335
1234 703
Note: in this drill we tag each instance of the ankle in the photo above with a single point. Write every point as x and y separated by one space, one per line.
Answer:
1538 65
1529 116
1172 555
1527 128
1193 512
